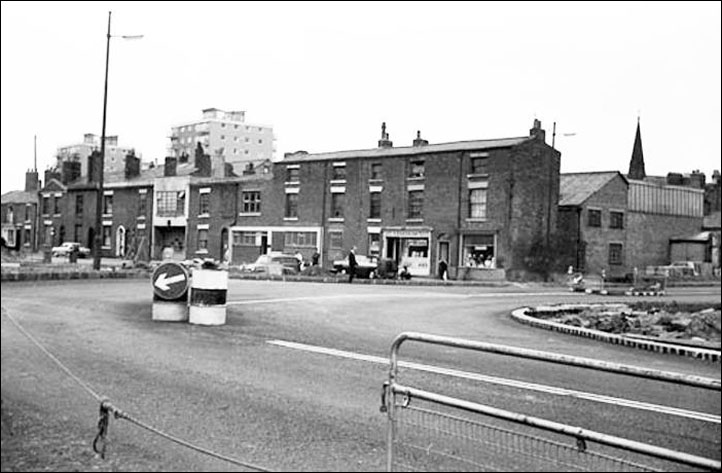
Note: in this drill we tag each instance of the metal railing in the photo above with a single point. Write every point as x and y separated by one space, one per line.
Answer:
428 430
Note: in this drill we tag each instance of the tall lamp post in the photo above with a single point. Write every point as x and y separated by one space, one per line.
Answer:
97 247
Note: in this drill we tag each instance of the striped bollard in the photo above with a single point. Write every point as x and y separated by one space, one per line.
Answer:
208 297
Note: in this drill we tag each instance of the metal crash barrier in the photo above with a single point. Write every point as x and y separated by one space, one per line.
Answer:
429 431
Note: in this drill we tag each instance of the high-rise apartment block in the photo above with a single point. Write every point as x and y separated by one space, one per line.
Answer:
226 134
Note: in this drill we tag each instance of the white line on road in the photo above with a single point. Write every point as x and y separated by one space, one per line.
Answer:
431 295
504 382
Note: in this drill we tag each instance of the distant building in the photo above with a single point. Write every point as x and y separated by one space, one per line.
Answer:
224 134
19 215
79 153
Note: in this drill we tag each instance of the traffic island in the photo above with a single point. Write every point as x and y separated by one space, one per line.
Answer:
694 333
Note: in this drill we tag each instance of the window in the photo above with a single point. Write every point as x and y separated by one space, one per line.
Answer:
10 217
292 174
46 205
171 203
142 204
291 205
594 218
616 219
245 238
477 203
335 240
339 173
338 202
375 208
56 205
260 141
376 171
10 237
78 206
204 203
304 239
616 254
27 212
416 204
247 139
106 236
374 244
78 235
479 165
107 204
203 238
252 202
416 169
27 237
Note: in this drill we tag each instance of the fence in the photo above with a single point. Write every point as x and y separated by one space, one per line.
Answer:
433 432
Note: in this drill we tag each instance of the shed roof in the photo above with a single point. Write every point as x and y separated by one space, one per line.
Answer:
576 188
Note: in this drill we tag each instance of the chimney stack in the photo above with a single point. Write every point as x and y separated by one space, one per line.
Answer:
171 165
70 171
384 142
132 166
537 131
31 181
418 141
51 174
94 167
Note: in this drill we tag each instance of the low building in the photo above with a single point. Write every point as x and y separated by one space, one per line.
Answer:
19 215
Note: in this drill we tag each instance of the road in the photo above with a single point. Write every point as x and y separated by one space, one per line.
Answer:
293 380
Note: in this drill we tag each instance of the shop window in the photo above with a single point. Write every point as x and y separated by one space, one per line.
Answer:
479 251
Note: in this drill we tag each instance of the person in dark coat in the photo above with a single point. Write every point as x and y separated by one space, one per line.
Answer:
352 264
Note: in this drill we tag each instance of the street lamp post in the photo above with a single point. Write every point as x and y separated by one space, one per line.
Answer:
100 201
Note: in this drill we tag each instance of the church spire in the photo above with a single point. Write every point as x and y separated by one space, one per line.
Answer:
636 165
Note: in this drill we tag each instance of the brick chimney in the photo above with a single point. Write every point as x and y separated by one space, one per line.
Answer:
171 165
537 131
217 160
675 179
51 174
31 180
94 167
697 179
418 141
384 142
132 166
70 171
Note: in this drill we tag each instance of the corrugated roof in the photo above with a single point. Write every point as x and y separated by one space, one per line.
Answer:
20 197
576 188
408 150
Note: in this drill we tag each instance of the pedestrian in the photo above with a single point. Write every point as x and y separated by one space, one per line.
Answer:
352 264
314 259
299 257
443 269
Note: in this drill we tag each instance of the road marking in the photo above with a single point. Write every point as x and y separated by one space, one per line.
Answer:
504 382
431 295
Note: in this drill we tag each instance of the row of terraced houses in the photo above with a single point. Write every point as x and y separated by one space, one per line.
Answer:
490 209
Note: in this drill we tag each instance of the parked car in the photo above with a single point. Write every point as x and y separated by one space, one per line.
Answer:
683 268
274 263
68 247
366 266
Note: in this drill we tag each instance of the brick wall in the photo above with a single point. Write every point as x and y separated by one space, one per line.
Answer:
648 236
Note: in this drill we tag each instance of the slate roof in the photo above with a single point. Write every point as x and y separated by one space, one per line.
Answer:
20 197
407 150
576 188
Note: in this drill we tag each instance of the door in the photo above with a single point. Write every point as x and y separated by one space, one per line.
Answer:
120 242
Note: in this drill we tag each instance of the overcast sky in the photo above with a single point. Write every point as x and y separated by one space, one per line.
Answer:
325 75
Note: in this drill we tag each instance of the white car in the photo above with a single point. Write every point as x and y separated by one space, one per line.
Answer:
273 263
68 247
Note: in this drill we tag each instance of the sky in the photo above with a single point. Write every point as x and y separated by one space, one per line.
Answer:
326 75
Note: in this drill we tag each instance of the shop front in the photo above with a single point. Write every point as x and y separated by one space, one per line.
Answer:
409 247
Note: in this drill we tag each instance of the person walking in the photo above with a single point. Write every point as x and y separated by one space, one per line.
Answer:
352 264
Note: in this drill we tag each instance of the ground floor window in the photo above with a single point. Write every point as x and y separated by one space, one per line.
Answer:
478 251
302 239
335 240
106 236
374 245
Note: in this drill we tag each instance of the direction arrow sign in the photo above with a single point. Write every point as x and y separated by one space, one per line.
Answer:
170 281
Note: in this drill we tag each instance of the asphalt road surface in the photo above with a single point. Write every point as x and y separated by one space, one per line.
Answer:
293 380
